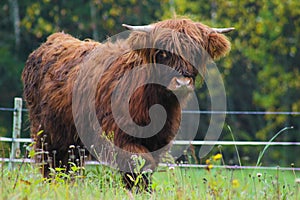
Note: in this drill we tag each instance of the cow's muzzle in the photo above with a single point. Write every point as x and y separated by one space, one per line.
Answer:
181 83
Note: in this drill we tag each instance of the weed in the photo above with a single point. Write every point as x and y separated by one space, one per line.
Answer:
77 181
139 177
236 149
271 140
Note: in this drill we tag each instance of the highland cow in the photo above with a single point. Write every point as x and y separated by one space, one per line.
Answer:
51 73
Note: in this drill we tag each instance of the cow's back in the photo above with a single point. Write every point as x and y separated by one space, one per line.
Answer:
47 86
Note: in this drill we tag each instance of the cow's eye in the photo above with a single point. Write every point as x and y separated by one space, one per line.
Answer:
161 56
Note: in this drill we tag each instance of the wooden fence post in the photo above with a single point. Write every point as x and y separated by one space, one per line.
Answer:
17 121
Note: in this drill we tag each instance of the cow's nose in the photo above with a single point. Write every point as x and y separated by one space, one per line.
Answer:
179 83
182 82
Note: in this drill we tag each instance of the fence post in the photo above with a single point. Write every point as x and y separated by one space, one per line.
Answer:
17 121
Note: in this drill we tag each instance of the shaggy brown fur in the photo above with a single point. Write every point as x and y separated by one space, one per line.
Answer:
51 71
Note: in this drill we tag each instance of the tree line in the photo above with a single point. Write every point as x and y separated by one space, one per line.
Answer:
261 72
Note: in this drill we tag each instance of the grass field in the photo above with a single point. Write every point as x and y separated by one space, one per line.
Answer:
99 182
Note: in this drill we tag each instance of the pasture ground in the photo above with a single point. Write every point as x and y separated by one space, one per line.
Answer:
100 182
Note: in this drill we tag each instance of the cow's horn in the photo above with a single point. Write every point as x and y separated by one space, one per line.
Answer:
146 28
223 30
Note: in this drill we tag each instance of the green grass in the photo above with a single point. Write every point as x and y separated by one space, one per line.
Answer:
100 182
169 183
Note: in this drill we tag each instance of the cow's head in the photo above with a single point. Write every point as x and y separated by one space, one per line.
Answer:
181 44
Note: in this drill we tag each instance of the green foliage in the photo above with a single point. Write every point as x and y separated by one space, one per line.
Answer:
10 72
38 19
172 183
10 87
139 174
261 72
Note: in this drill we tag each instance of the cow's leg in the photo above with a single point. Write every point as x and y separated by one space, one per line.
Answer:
127 159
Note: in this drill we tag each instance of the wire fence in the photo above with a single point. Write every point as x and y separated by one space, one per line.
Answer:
240 112
194 166
205 112
16 139
7 109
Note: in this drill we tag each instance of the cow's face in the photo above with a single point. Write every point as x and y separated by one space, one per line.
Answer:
182 45
183 80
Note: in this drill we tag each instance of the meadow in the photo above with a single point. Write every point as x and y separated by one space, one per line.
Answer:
100 182
214 179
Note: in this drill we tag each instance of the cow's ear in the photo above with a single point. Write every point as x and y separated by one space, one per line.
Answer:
218 45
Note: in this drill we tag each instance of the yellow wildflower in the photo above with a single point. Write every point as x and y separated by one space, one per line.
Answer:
207 161
235 183
209 167
217 157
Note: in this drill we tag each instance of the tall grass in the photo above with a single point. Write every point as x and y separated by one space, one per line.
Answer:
99 182
261 154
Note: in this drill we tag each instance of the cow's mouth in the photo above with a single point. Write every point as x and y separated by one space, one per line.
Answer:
181 84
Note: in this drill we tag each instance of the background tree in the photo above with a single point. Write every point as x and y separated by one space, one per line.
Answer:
262 71
95 19
260 74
